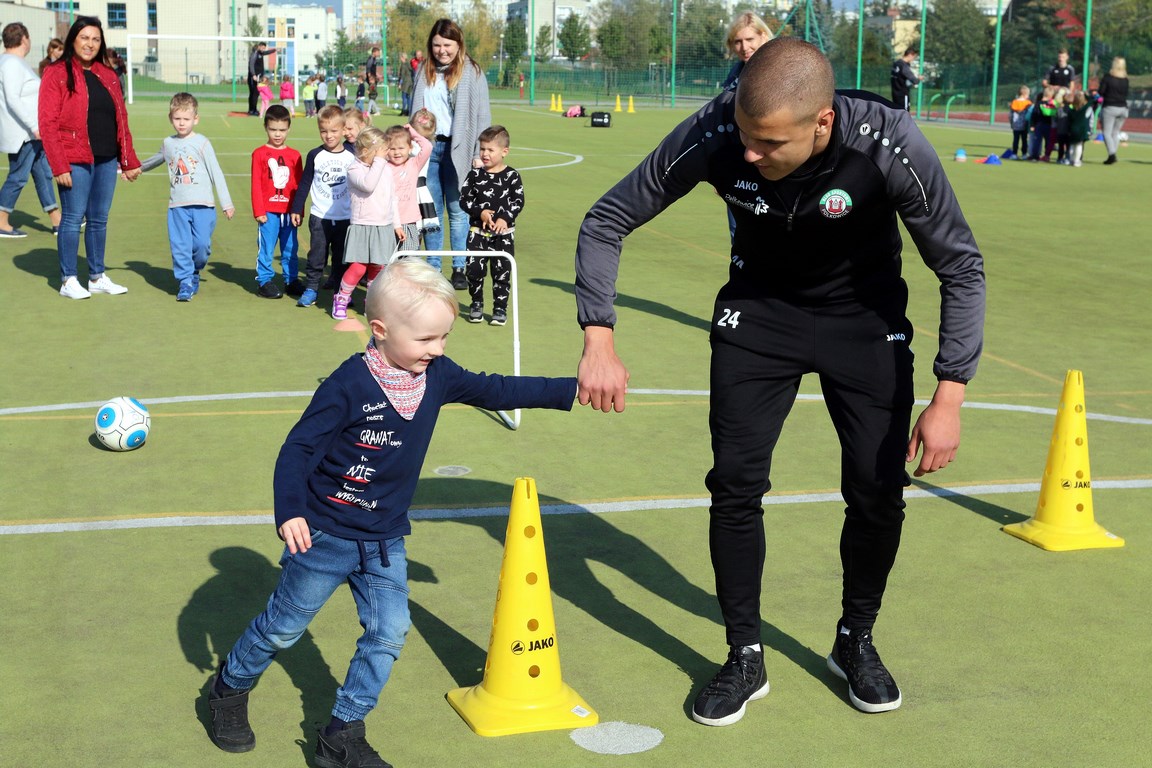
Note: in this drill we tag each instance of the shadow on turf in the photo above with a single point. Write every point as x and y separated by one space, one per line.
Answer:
41 262
573 541
216 616
638 304
994 512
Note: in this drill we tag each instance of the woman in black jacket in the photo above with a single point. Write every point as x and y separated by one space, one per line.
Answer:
1114 90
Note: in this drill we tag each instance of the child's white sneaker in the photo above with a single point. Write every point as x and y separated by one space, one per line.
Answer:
104 284
73 290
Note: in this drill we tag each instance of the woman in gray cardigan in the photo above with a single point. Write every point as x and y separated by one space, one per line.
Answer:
452 87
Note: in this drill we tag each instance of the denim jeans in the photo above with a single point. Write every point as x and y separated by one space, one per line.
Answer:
277 229
306 582
89 198
444 186
30 159
190 237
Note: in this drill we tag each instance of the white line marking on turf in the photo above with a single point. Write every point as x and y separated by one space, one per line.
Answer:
575 159
599 508
21 410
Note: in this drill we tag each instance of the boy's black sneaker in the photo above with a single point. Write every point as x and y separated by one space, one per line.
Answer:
230 729
870 686
347 748
742 679
476 313
268 290
295 289
499 317
459 280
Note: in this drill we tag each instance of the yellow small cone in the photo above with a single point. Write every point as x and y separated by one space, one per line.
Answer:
1064 518
617 104
559 103
552 103
522 691
631 106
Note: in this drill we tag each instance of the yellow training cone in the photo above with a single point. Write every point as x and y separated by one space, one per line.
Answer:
559 103
1064 519
617 104
522 691
631 107
552 103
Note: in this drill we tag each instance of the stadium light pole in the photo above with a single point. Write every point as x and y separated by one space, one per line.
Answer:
996 62
1087 45
384 46
923 35
859 43
233 51
672 90
531 53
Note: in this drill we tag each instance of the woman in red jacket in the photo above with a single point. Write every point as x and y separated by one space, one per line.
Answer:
84 126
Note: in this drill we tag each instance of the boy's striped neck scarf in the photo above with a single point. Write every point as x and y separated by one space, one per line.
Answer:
404 389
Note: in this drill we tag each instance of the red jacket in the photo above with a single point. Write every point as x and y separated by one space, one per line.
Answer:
64 117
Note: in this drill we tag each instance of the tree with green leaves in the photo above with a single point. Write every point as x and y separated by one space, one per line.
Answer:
702 31
959 40
1029 40
575 38
515 44
544 43
254 28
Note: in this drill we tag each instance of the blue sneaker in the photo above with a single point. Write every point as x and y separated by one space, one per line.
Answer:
186 291
307 299
195 283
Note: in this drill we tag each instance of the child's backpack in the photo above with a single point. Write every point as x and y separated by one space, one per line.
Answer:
1021 118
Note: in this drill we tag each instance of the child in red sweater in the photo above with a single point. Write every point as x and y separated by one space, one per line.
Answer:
276 172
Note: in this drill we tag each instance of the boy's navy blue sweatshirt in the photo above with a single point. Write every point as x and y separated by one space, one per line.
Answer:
351 464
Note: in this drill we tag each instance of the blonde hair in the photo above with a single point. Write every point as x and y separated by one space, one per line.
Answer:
424 122
366 143
330 113
181 101
743 21
1119 67
403 286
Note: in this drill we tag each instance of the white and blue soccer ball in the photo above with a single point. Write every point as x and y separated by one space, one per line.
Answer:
122 424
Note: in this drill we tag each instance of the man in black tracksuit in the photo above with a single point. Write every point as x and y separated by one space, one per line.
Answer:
816 181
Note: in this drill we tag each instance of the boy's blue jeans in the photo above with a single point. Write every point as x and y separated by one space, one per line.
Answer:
444 186
306 582
30 159
190 236
277 230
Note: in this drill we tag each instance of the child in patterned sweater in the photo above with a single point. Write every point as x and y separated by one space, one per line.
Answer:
493 197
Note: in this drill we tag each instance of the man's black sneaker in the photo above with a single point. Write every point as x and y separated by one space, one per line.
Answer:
499 317
854 658
347 748
459 280
295 289
742 679
230 729
268 290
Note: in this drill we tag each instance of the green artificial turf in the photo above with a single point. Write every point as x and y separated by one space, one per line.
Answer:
1007 655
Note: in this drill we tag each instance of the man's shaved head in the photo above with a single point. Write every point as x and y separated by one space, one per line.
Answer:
786 74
